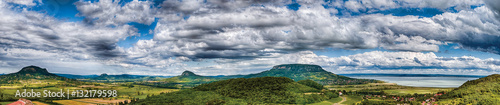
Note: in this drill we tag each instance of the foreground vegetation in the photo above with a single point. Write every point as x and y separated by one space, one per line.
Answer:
262 90
483 91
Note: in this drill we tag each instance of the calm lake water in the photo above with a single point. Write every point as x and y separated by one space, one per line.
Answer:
421 81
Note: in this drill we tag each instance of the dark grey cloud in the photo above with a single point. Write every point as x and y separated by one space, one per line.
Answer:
373 6
241 29
494 5
31 30
112 13
485 43
103 49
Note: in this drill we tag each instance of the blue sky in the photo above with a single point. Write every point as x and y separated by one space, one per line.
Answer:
212 37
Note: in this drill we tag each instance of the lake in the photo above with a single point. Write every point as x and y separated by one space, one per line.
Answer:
418 80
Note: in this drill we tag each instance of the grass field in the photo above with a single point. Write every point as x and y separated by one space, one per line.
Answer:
124 92
4 103
418 90
389 88
39 103
322 103
335 100
138 91
72 102
141 91
351 99
365 86
99 101
329 102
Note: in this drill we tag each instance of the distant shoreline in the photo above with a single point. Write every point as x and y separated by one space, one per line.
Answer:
411 75
419 80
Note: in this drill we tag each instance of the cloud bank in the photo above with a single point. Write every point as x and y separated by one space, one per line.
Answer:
369 62
247 31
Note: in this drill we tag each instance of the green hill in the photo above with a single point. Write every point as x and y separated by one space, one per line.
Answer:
190 78
187 79
189 74
122 78
296 72
239 91
482 91
73 76
31 74
299 72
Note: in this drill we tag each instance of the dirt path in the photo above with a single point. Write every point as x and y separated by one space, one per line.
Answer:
343 100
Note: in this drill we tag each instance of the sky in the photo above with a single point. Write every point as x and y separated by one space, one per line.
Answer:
228 37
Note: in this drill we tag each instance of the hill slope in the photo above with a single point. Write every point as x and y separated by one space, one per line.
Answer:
31 73
299 72
296 72
482 91
280 90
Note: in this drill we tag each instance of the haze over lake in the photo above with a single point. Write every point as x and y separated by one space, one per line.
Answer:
418 80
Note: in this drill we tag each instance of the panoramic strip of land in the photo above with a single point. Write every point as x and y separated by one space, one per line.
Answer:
283 84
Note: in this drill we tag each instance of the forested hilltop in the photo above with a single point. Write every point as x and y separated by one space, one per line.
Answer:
295 72
312 72
30 74
242 91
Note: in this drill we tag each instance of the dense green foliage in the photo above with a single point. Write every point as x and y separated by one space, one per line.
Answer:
483 91
279 90
265 89
331 94
311 83
299 72
187 97
299 88
186 80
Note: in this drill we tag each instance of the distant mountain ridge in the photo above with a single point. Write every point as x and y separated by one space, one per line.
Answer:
123 78
298 68
34 70
316 73
188 73
189 79
72 76
295 72
31 72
